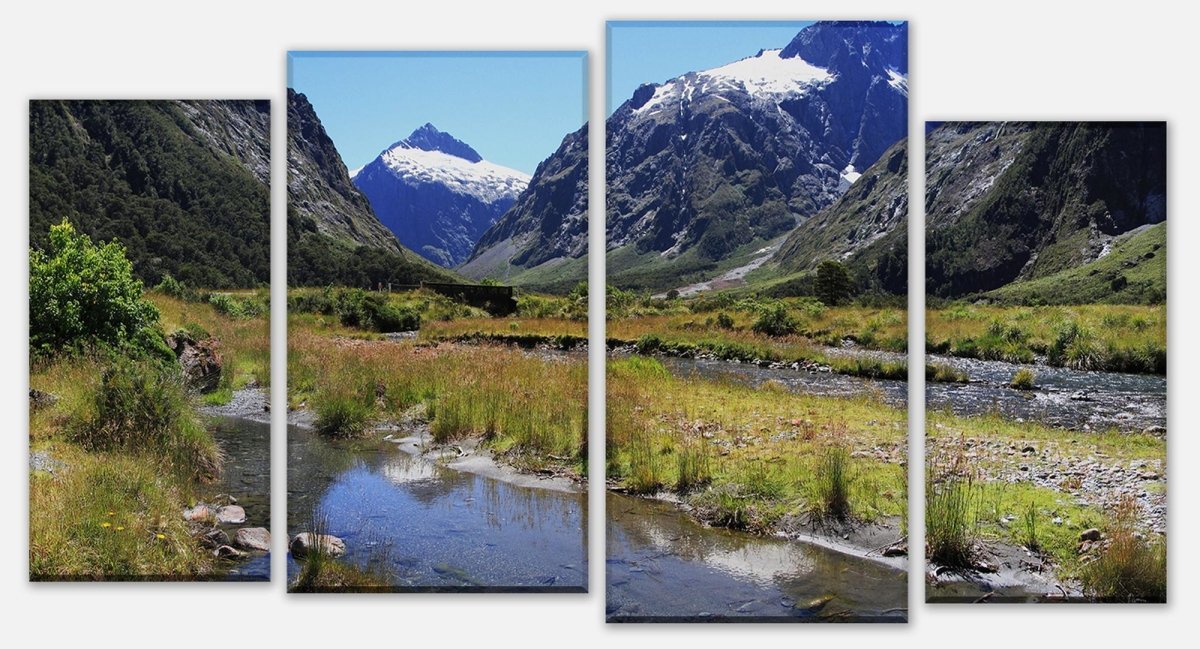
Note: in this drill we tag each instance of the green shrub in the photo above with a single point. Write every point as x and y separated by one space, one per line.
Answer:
775 320
724 320
1022 380
80 293
142 407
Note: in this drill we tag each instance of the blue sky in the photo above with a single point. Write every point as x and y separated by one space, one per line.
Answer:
652 52
514 108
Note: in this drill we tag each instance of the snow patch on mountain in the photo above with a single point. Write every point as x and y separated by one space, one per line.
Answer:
765 75
486 181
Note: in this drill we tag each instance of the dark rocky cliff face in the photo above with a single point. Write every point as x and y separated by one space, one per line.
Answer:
1015 201
182 185
708 162
548 221
319 189
867 228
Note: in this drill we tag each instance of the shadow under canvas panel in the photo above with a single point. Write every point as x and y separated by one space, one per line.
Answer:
1046 383
149 334
437 321
756 254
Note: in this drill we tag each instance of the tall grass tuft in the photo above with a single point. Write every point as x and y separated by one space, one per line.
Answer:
833 477
1022 379
950 520
1029 535
342 411
694 467
1130 569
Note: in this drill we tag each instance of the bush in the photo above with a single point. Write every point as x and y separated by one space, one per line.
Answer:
79 292
358 308
142 407
1022 380
775 320
724 320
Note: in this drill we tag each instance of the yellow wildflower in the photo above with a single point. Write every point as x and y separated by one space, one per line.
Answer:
105 524
160 536
120 528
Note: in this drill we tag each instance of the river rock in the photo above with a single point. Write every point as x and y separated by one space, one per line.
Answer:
39 399
214 538
1090 534
228 552
1157 431
200 360
231 515
201 512
253 538
306 542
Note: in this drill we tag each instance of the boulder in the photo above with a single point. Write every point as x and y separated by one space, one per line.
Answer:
200 360
201 512
231 515
257 539
305 542
214 538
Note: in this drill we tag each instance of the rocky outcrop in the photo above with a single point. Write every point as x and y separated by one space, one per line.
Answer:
305 543
1016 201
866 229
39 399
319 188
200 360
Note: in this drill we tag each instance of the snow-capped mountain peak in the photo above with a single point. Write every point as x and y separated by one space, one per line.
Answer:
430 156
437 194
765 75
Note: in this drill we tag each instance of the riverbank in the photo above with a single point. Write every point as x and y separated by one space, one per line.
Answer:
1114 338
1042 506
110 507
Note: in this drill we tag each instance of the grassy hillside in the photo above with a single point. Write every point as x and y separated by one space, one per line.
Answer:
1133 272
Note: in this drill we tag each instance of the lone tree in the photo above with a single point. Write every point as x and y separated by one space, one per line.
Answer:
80 292
833 285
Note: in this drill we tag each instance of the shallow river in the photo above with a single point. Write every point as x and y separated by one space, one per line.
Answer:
664 566
1062 397
246 475
433 528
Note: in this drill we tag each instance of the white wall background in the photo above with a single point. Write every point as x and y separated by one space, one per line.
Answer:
1012 60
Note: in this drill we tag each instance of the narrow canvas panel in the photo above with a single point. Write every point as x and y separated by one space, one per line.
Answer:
437 321
756 256
149 274
1046 270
